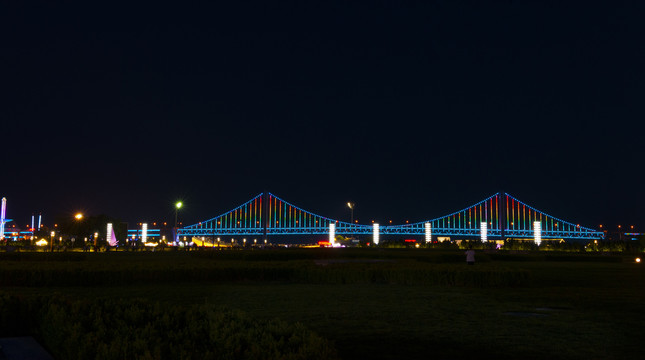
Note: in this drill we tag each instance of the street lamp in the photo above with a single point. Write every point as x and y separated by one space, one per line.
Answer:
178 206
351 208
51 241
78 217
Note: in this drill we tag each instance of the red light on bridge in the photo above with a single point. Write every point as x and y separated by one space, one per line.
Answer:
410 240
324 243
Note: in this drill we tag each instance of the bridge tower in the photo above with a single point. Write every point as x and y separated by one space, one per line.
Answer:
501 210
264 214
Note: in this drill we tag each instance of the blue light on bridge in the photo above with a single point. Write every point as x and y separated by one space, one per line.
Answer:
503 215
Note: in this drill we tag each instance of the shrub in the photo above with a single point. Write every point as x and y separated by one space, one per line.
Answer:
118 329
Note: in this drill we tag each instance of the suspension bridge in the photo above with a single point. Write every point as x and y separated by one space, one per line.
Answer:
500 216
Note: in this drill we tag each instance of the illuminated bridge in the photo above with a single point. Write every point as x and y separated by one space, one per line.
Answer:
499 216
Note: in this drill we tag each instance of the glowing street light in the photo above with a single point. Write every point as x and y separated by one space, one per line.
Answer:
178 206
351 208
78 216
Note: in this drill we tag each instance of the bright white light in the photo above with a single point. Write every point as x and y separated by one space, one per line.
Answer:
376 233
332 233
537 232
638 260
144 232
428 232
484 231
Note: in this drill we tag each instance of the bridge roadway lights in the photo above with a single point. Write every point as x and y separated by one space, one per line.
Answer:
428 228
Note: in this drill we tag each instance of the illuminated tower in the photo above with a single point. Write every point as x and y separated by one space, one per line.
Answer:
2 217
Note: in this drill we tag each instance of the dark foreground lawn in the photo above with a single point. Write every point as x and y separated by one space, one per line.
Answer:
569 307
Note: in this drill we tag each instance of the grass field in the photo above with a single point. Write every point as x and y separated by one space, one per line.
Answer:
569 307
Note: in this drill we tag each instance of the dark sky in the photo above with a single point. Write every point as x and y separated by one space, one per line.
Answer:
409 109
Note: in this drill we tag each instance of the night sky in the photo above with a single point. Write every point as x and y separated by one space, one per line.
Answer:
412 110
